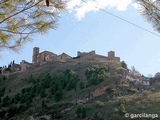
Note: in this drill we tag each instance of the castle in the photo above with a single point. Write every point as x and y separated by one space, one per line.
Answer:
40 58
46 56
93 55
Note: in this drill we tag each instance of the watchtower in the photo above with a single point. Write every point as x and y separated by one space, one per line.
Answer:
35 53
111 55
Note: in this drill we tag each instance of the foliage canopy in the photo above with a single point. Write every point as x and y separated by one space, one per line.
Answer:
19 19
150 9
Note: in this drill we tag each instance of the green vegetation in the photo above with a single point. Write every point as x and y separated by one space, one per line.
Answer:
81 85
16 30
96 75
122 109
81 112
150 10
58 96
54 84
2 90
91 91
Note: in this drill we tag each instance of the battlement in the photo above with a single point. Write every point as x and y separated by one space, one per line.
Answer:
86 53
111 56
40 58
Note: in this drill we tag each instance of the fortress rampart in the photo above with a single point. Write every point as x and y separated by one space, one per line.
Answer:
40 58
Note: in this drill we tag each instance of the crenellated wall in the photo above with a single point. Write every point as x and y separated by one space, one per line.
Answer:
47 56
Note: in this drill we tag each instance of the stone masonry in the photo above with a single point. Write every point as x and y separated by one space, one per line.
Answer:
40 58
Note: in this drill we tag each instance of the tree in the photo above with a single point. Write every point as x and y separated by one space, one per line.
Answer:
81 85
58 96
78 111
19 19
122 109
150 9
81 112
124 65
52 89
43 104
43 93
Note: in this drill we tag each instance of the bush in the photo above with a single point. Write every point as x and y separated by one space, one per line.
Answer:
25 97
96 75
28 103
122 109
4 77
2 90
43 104
78 111
43 93
124 65
52 89
22 108
6 101
12 111
81 112
97 116
81 85
58 96
39 88
17 97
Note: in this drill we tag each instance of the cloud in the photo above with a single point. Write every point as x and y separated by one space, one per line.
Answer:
81 8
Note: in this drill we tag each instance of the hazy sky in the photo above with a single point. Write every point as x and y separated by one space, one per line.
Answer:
84 28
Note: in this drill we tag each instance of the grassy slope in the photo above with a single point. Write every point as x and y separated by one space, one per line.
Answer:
102 106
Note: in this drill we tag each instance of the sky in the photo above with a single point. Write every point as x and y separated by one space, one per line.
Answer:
85 27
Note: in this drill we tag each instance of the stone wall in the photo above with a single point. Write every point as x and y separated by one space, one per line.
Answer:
24 65
47 56
111 56
35 53
63 57
85 53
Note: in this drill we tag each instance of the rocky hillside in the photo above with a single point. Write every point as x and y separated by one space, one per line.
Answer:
78 89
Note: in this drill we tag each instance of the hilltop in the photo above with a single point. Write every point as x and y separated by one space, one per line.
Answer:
88 86
40 58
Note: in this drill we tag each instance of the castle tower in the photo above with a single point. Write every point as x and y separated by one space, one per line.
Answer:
35 53
111 55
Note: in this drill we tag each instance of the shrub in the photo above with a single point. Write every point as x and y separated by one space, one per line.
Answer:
52 89
58 96
39 88
17 97
96 75
78 111
22 108
42 93
6 101
2 90
122 109
81 85
97 116
43 104
124 65
31 79
81 112
12 111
